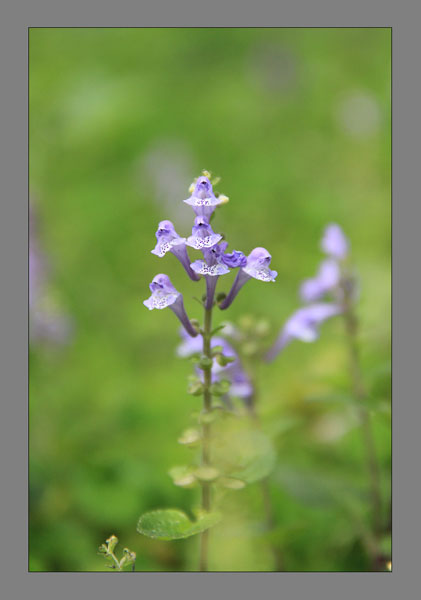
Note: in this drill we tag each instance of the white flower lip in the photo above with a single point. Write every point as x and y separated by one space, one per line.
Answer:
200 267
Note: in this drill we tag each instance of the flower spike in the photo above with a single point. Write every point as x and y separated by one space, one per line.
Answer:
164 294
168 240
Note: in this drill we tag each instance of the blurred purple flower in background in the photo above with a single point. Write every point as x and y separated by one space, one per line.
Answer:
47 323
303 325
334 243
326 280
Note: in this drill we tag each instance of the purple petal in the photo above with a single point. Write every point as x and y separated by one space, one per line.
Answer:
167 238
303 325
163 293
257 266
334 242
202 235
326 280
234 259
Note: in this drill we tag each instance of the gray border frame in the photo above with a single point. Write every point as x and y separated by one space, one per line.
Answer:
16 581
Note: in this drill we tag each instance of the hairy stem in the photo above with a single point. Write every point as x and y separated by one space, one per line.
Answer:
117 564
207 404
360 395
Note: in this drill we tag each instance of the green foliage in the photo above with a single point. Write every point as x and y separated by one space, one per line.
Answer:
231 483
183 476
205 362
255 456
189 437
172 524
223 360
206 474
220 388
195 387
243 453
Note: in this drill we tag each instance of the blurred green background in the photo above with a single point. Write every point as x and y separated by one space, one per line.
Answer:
297 124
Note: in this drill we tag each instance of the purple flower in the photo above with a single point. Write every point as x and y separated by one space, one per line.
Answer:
211 268
213 264
168 240
202 235
257 266
203 199
164 294
326 280
334 243
303 325
241 386
47 322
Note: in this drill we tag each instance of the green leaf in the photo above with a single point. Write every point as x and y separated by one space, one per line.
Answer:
223 360
173 524
231 483
217 350
182 476
195 388
245 454
205 362
189 437
209 416
220 326
220 388
206 473
257 457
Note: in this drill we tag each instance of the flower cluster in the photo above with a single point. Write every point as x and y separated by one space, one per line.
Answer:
215 261
329 280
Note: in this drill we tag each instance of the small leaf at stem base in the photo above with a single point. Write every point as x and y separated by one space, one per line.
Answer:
173 524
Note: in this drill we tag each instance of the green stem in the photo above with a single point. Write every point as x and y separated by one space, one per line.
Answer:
113 556
207 405
351 327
